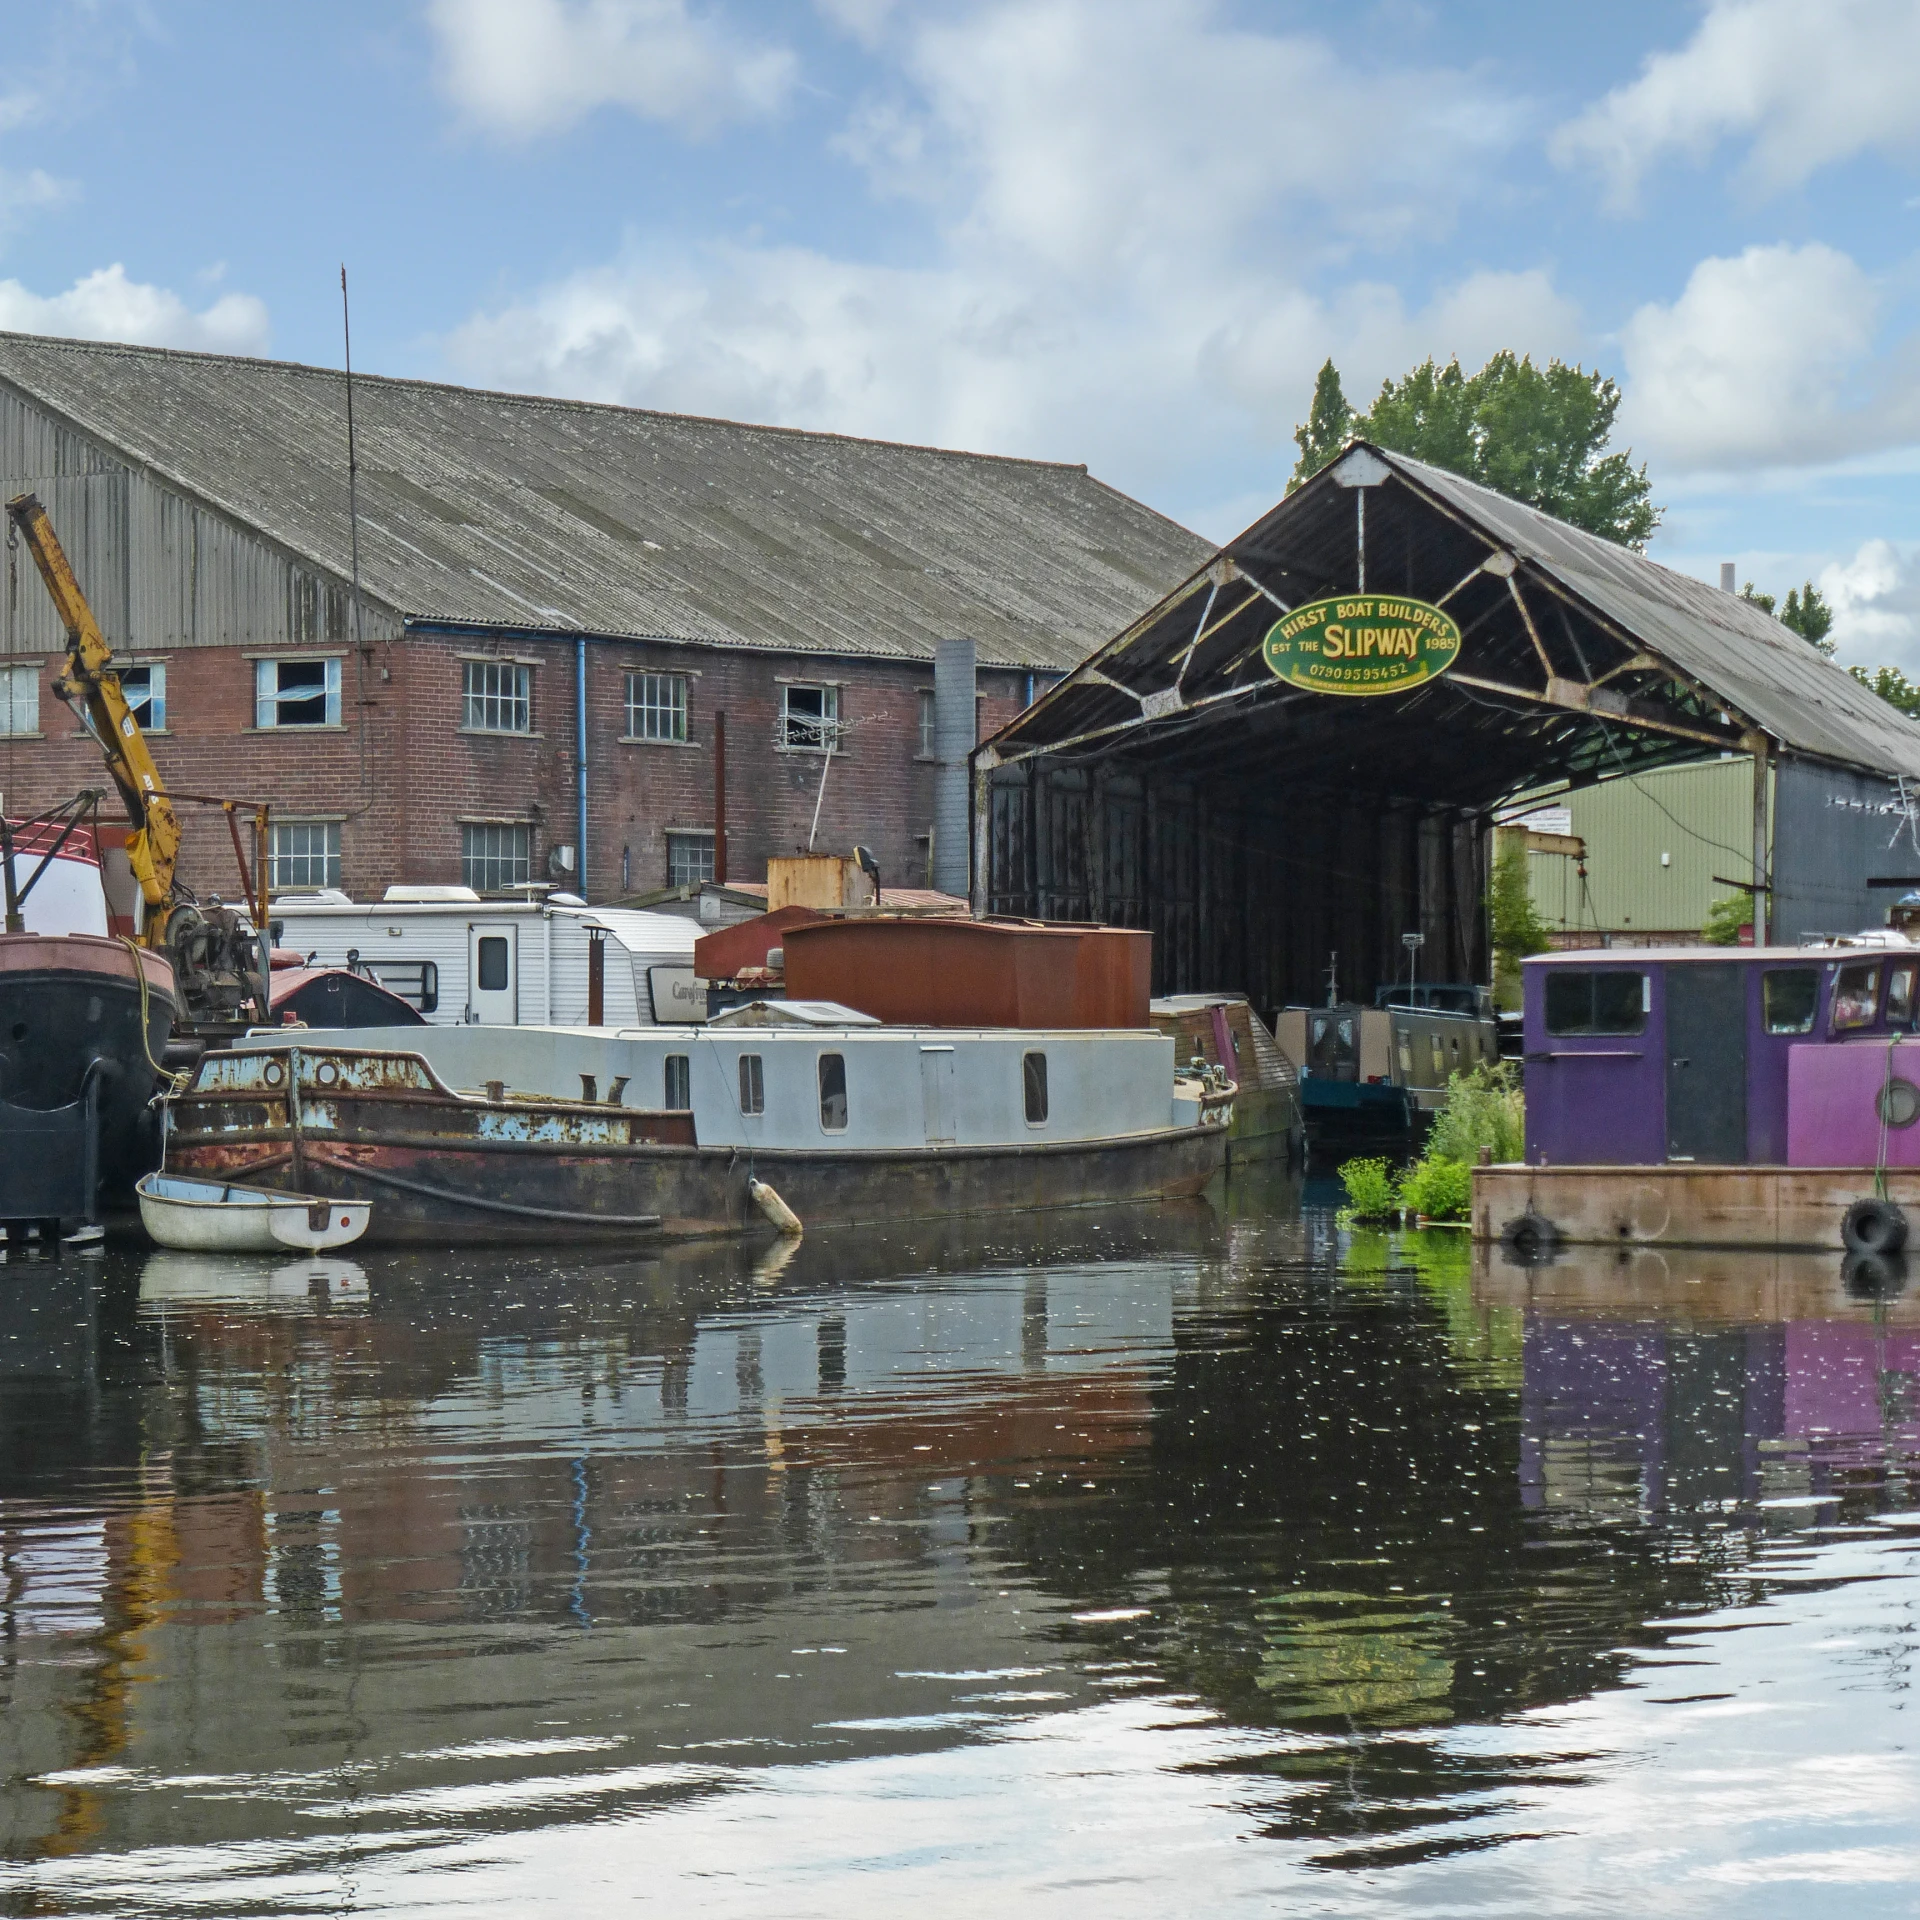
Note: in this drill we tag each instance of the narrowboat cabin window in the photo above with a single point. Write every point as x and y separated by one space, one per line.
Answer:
753 1086
679 1088
1331 1053
833 1092
1788 996
1581 1003
1033 1074
1900 995
1856 996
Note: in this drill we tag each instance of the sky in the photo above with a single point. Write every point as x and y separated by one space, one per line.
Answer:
1123 232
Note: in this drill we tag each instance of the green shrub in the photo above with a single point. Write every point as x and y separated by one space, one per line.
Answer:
1484 1108
1369 1186
1439 1188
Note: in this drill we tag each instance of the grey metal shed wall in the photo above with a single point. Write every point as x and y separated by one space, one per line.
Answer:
1255 898
1834 828
158 569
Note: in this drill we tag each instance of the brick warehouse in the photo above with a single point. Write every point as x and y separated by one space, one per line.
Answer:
527 564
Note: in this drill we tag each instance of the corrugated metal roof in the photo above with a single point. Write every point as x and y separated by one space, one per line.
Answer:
1729 644
509 510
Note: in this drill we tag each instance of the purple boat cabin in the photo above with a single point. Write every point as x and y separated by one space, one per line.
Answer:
1775 1056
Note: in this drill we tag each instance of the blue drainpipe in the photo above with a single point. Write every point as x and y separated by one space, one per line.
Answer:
580 734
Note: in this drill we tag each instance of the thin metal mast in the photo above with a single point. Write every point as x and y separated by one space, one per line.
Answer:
353 470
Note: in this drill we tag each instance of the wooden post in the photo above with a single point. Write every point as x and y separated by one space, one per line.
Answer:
596 978
1762 896
720 799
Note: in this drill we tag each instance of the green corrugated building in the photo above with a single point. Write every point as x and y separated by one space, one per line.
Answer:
1651 844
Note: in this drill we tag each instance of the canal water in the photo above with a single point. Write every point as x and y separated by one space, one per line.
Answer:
1207 1560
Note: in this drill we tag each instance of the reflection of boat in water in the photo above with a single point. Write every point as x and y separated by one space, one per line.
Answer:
207 1216
1653 1378
199 1279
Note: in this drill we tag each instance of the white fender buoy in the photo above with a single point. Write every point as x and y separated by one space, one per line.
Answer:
783 1217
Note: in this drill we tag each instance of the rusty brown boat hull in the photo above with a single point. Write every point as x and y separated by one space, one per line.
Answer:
442 1168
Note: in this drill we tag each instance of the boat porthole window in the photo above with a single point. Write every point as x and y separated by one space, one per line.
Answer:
1033 1076
753 1086
1898 1102
326 1073
273 1073
679 1088
833 1092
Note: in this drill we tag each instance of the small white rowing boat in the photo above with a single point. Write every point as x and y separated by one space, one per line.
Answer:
204 1216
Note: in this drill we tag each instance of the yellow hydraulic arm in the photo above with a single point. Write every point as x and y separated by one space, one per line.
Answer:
153 849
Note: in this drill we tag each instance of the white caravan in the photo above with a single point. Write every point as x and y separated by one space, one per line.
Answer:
465 961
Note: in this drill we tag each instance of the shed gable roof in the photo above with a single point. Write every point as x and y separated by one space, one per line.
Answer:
515 511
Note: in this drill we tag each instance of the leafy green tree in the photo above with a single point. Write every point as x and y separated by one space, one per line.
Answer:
1726 919
1892 686
1537 434
1517 927
1808 614
1329 426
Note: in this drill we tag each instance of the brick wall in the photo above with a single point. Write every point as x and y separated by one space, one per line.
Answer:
400 774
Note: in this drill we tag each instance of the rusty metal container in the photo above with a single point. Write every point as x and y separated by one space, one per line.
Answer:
729 951
974 973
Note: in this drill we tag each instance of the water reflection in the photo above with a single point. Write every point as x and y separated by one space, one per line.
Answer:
1084 1551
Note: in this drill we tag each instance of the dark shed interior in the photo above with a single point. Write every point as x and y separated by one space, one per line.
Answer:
1266 833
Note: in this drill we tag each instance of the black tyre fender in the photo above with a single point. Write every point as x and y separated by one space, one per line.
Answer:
1531 1233
1874 1276
1874 1226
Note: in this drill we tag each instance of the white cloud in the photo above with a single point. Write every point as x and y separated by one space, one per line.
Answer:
1875 598
23 195
106 305
1758 363
1807 86
526 67
1106 278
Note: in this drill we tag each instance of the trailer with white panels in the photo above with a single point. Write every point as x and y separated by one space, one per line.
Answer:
462 960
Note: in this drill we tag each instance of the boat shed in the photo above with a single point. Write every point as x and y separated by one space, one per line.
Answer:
1268 832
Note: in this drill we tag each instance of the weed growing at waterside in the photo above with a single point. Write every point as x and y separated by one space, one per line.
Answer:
1370 1189
1485 1108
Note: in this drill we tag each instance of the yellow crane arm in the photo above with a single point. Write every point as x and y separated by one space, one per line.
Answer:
153 849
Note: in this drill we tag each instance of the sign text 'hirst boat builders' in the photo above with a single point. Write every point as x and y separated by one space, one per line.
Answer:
1362 643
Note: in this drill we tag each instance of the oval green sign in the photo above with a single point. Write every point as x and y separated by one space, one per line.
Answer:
1362 643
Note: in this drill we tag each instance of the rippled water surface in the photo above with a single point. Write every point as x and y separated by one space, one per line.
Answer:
1201 1561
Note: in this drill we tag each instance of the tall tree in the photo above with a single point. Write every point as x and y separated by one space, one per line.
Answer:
1892 686
1808 614
1329 426
1538 434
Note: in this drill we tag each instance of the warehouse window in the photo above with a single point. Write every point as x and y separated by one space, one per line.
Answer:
810 718
927 734
753 1085
689 859
296 693
145 691
1593 1003
656 706
679 1087
496 857
303 853
499 697
19 700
